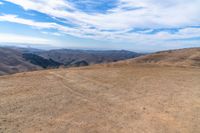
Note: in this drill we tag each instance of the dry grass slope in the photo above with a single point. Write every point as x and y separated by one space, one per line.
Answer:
181 57
123 98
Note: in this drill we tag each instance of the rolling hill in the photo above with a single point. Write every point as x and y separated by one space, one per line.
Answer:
70 57
11 61
14 60
180 57
133 96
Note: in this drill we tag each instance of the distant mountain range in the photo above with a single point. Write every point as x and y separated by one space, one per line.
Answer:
71 57
13 60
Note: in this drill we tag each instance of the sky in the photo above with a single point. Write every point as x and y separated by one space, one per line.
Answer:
137 25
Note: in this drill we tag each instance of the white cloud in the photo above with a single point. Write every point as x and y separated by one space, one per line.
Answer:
117 35
150 14
153 14
15 19
12 38
39 25
52 33
80 32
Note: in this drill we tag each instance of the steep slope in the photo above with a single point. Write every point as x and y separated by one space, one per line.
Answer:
39 61
11 61
180 57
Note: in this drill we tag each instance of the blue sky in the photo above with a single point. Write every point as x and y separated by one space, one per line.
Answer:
138 25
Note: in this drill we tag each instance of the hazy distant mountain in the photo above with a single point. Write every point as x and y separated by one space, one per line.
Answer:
13 60
71 57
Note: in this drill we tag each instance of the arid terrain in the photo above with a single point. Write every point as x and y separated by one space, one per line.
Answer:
124 97
180 57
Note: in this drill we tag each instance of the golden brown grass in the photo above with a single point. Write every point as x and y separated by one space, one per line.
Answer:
115 99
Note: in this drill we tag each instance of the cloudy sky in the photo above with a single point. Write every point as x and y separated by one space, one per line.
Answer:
139 25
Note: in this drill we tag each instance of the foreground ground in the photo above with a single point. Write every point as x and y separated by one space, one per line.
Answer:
115 99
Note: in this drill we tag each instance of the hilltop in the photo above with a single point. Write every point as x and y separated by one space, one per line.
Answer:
189 57
123 98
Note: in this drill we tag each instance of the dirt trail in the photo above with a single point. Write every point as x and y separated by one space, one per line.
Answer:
115 99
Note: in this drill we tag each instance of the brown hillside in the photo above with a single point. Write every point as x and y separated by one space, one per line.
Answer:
11 61
182 57
122 98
